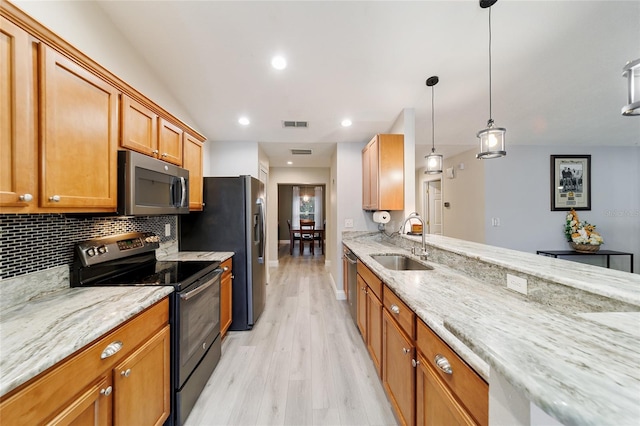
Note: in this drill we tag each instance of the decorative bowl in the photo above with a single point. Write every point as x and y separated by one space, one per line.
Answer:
584 248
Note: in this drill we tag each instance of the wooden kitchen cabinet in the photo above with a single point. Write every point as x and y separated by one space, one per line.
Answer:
398 373
463 394
18 143
192 161
89 388
141 384
138 127
383 173
370 313
79 140
226 297
169 142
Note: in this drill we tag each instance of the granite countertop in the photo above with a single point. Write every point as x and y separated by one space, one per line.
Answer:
36 335
579 367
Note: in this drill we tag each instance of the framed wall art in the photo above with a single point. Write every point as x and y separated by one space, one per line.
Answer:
570 182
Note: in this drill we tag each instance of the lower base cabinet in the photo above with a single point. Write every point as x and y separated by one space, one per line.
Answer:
123 378
226 297
398 374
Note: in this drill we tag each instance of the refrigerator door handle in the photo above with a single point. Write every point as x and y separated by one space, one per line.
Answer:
261 230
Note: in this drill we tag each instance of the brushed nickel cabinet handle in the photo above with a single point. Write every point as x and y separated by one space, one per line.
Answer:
406 351
26 197
415 362
107 391
443 364
54 198
395 309
126 373
111 349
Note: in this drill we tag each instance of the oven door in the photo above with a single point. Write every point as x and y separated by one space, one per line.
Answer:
198 316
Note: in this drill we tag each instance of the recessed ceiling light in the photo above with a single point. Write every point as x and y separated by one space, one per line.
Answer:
279 62
346 122
289 162
244 121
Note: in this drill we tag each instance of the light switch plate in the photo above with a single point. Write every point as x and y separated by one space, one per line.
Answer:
348 223
167 229
517 284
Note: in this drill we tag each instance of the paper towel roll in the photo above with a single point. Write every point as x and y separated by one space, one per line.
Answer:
381 217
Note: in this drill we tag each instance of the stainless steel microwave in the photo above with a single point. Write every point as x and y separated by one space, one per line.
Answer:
147 186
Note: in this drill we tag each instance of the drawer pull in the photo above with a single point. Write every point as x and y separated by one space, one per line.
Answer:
415 363
111 349
126 373
107 391
443 364
225 268
406 351
395 309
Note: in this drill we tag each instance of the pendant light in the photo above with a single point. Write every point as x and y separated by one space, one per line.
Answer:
434 161
491 138
632 71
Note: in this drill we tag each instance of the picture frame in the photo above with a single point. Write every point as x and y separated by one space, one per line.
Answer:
570 182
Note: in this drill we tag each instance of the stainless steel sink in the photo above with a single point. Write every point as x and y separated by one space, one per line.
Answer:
400 262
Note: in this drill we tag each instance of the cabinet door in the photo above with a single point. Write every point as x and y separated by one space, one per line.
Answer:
435 405
192 161
139 127
374 330
361 308
226 298
141 384
78 152
169 142
366 179
398 373
17 126
91 407
374 183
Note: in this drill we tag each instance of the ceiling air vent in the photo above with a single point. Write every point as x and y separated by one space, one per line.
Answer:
295 124
301 152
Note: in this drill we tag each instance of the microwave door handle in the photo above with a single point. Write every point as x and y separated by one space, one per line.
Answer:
183 198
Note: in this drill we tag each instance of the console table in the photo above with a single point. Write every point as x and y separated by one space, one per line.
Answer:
607 253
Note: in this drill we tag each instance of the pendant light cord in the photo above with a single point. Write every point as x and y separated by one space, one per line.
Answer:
490 101
433 130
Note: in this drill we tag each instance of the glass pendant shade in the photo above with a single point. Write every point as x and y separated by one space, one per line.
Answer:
632 72
491 142
434 163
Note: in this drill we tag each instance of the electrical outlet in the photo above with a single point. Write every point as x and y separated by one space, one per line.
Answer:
517 284
348 223
167 229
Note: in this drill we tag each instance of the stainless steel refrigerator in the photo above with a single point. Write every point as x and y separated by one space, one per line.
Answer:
233 219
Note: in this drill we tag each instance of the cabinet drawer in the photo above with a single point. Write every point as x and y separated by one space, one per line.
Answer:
466 385
370 278
46 393
400 312
228 271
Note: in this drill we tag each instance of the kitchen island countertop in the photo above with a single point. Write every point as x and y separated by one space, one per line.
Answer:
36 335
579 367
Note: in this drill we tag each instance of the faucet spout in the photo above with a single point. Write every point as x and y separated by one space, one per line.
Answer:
423 254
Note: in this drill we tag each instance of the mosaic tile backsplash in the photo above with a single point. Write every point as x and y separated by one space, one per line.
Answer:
34 242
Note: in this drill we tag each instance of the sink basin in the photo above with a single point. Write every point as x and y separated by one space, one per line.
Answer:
399 262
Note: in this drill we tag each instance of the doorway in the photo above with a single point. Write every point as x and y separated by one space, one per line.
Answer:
309 201
433 206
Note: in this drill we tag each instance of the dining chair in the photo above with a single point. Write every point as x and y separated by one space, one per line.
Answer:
293 237
306 234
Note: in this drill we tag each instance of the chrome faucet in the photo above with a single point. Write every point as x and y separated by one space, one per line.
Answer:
423 253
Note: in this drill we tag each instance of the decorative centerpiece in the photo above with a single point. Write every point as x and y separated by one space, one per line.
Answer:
582 236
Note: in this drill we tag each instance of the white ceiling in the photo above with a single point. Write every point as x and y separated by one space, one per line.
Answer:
557 69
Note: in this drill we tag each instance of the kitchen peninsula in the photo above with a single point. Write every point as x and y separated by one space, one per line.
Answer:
571 346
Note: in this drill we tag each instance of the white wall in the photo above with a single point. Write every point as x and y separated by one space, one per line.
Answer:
518 192
465 216
85 26
232 159
406 124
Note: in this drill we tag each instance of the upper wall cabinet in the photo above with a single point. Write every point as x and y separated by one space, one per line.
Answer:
146 132
383 173
192 161
78 151
17 125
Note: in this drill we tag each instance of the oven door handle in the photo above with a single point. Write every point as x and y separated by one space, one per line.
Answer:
188 295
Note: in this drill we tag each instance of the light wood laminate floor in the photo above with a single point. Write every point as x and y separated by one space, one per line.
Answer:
304 362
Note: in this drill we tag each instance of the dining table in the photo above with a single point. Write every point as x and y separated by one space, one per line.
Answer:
310 232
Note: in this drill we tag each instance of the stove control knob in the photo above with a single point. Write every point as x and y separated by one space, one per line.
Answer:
102 249
91 252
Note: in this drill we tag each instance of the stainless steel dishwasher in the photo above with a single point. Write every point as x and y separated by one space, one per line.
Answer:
352 271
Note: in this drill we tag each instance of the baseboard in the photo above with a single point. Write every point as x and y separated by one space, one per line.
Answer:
340 294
